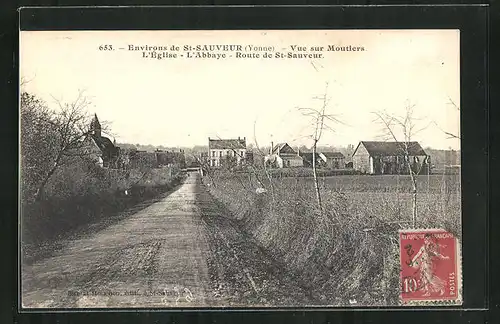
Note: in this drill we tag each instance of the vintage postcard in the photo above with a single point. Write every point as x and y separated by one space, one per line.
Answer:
239 169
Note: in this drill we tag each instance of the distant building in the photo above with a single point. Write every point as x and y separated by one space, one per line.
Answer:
389 158
333 160
308 159
283 155
100 148
168 158
227 152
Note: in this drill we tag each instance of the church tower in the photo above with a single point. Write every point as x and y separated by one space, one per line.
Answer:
95 126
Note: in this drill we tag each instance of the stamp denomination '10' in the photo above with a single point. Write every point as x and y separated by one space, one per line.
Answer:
430 267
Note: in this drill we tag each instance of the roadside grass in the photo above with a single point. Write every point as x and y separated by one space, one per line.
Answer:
79 196
351 255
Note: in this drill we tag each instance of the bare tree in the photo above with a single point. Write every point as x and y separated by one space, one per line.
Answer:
266 170
320 121
50 138
406 126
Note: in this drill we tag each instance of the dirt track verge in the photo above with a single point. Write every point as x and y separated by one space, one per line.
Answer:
243 274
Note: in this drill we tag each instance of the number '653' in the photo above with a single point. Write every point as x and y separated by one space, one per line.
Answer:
106 47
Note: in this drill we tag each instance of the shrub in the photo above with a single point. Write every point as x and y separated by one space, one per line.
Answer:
82 193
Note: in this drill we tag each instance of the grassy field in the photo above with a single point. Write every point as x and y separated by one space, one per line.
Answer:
386 183
350 250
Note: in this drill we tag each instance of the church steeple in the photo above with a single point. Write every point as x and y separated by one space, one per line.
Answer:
95 126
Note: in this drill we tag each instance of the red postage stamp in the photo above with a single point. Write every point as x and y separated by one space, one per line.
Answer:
430 267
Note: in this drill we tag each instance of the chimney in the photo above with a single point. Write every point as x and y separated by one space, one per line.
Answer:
298 150
271 149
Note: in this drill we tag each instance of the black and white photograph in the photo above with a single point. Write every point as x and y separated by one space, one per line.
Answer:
239 168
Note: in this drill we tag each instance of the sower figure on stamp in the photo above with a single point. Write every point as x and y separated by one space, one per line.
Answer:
424 261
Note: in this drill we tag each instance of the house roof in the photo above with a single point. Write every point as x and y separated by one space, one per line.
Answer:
333 155
104 144
375 148
280 146
221 144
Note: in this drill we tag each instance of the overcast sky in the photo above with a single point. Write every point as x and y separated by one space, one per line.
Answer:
181 102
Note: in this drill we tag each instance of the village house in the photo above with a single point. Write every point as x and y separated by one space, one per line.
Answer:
307 157
100 148
389 158
333 160
283 155
227 152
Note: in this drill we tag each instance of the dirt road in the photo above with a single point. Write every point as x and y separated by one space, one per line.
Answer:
182 251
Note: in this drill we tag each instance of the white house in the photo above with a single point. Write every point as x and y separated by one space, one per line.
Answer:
283 155
226 151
